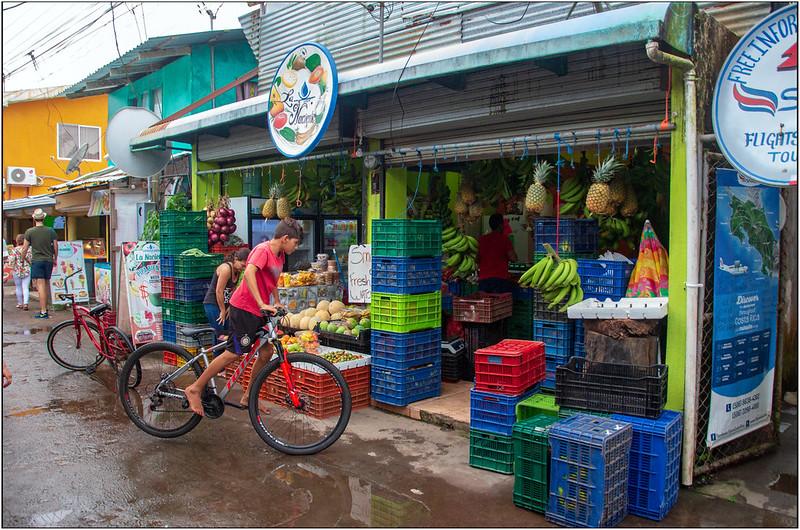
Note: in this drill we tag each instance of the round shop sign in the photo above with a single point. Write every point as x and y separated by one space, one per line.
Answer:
755 101
302 99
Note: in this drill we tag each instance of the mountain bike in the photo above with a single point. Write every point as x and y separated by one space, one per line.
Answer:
285 399
85 341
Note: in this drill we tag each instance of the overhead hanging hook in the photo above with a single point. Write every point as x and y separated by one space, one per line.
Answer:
627 140
410 205
614 142
536 144
500 143
525 152
435 165
574 149
598 145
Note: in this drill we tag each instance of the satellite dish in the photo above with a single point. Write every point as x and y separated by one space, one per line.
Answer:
77 158
125 126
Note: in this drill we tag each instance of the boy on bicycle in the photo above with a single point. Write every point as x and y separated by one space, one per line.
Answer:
264 265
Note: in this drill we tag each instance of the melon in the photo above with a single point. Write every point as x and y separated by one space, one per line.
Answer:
336 316
309 312
294 320
323 305
336 307
304 323
312 323
322 315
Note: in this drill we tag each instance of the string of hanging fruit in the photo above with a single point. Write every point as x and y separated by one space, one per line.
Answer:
277 204
220 220
461 254
557 279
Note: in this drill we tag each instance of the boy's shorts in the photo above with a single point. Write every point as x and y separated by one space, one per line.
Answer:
41 270
244 326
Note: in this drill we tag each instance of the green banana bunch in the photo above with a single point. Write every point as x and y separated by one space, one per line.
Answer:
559 282
461 253
573 196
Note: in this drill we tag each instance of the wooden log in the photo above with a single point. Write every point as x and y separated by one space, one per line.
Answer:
642 351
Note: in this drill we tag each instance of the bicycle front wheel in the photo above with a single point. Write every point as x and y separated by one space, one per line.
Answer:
323 411
73 347
156 404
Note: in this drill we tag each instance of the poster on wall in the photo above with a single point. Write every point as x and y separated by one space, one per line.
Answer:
359 274
64 280
143 287
746 258
100 203
102 283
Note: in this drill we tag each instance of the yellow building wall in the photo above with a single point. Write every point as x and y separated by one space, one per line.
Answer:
30 130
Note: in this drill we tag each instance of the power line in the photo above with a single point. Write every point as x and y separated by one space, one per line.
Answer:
12 7
114 25
137 23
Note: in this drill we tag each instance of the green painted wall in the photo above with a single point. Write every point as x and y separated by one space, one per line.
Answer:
676 320
203 186
188 79
373 200
396 184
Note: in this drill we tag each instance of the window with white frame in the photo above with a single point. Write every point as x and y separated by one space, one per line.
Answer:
72 136
157 103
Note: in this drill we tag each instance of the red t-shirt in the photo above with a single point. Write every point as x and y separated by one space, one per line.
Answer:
493 251
269 269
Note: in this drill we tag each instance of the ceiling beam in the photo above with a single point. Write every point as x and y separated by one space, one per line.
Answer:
170 52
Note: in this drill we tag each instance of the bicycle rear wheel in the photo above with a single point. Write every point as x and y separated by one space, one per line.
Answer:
323 414
156 404
119 349
72 347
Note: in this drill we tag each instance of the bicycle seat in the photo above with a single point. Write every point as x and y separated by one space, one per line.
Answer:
194 332
99 309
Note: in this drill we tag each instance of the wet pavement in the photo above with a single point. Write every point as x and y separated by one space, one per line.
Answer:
72 458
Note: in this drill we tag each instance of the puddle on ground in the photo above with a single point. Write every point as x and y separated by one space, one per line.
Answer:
27 332
785 483
28 412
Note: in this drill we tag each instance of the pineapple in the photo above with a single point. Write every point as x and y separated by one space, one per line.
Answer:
617 191
283 208
631 204
270 207
599 194
460 207
537 194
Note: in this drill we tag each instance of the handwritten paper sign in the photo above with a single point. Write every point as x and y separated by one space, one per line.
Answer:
359 274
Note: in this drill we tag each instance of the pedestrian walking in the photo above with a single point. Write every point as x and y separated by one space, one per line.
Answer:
21 271
223 283
43 242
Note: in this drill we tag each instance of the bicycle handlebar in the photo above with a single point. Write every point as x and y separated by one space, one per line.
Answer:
279 313
73 274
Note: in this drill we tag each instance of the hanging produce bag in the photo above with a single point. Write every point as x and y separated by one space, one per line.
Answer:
650 276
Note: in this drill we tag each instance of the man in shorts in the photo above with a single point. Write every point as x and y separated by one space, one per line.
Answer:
264 265
43 242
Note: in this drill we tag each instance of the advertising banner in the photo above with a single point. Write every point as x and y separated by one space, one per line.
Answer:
70 260
143 287
102 283
746 258
359 274
100 203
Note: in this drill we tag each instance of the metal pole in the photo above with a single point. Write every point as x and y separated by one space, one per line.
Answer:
380 40
276 163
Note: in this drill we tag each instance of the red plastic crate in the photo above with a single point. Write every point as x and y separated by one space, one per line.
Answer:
483 308
222 249
510 367
167 288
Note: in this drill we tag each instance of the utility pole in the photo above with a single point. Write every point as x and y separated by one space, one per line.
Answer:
212 15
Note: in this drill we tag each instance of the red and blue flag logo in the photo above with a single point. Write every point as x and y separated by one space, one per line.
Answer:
753 100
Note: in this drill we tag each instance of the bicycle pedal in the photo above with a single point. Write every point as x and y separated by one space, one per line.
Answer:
236 405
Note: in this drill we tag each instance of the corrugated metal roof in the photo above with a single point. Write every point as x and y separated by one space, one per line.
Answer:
738 17
637 23
132 65
34 201
103 176
31 94
251 25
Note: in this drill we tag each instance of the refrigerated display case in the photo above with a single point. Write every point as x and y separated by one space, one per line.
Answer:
339 232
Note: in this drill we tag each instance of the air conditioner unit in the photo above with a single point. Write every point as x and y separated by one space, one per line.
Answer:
21 176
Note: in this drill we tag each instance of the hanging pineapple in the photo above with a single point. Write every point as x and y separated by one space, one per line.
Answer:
270 207
631 205
536 197
617 191
283 207
460 208
599 195
467 194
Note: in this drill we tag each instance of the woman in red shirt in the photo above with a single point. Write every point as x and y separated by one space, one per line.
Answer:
494 252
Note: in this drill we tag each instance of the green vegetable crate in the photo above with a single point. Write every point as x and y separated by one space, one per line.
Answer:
406 238
189 312
173 222
537 404
494 452
172 245
402 313
190 267
531 462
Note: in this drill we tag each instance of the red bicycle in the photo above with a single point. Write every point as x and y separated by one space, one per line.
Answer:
85 341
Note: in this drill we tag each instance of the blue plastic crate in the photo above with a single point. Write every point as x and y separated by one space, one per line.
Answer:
523 293
447 303
406 275
168 330
577 341
400 388
603 279
588 471
400 351
191 290
454 287
586 231
557 338
495 413
549 383
655 461
545 230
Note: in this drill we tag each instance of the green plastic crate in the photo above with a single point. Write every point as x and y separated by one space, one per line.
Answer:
531 461
193 267
189 312
491 451
537 404
402 313
175 218
406 238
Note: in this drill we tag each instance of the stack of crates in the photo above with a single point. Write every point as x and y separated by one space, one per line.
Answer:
531 462
571 238
589 465
520 323
557 336
406 310
184 279
505 374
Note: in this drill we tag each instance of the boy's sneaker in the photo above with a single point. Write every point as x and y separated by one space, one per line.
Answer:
41 315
